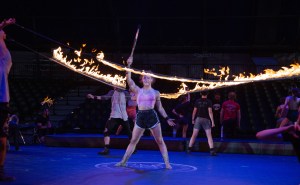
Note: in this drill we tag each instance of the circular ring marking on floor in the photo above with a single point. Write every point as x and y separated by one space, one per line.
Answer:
146 166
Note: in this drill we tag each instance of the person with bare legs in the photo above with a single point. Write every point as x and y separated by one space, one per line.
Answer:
203 117
289 132
5 66
147 118
118 115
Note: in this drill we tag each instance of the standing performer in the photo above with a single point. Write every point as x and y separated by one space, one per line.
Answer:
292 102
182 111
118 114
230 117
5 65
147 118
203 117
216 108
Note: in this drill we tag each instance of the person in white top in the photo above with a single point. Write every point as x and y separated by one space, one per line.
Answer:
5 65
147 118
118 114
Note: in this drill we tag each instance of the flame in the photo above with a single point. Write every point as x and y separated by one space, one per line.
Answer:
85 68
201 85
224 73
47 101
267 75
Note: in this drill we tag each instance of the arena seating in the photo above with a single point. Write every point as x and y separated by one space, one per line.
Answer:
258 103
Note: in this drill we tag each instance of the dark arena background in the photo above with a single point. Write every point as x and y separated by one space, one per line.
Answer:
176 38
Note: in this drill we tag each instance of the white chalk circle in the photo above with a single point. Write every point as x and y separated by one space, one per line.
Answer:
147 166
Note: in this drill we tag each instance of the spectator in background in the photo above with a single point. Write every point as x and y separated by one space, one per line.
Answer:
131 111
43 124
292 102
5 66
281 112
118 115
216 108
230 117
182 112
14 129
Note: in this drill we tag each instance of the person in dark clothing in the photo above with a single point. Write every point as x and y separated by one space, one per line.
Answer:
43 124
216 108
14 129
182 111
203 117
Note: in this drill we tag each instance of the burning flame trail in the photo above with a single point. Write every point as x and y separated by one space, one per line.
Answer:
91 72
201 85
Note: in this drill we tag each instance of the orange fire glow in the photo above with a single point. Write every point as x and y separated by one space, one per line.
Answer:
201 85
84 68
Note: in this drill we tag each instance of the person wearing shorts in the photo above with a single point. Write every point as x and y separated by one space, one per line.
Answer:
118 115
202 117
147 99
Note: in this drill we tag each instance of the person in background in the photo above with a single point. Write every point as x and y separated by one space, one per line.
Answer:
281 112
216 108
118 115
182 112
14 129
203 117
131 111
230 117
43 124
292 102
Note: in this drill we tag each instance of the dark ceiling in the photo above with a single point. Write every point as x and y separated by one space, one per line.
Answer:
254 26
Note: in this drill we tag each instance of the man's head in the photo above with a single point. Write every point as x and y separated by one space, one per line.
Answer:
204 93
217 96
231 95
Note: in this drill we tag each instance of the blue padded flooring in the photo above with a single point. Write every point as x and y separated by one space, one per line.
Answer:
43 165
